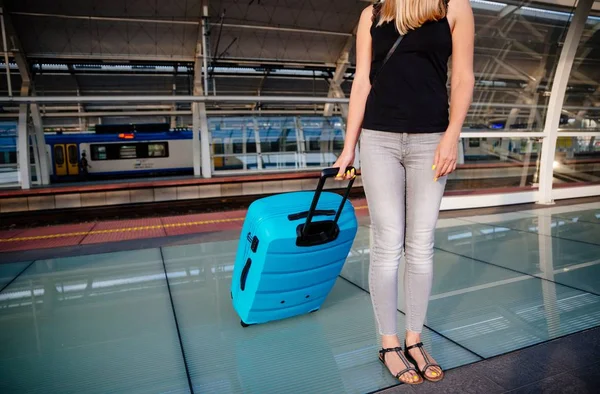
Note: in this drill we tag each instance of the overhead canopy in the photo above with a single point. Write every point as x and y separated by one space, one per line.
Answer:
271 47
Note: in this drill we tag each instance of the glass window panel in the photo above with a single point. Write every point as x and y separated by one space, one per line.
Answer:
233 143
516 54
492 163
583 89
577 158
324 140
9 167
284 141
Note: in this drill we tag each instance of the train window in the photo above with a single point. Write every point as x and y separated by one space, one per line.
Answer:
99 152
157 150
238 147
130 151
72 154
59 155
127 152
9 157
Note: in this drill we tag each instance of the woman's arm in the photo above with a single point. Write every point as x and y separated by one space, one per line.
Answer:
460 15
360 90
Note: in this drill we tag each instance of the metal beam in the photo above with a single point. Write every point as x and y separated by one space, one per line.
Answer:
507 11
177 22
515 71
224 99
217 112
168 99
204 32
557 97
5 48
335 88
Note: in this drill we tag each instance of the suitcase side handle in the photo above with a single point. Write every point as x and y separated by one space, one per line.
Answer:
332 233
245 274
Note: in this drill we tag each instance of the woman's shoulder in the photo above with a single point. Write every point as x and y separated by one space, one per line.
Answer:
457 9
368 14
368 11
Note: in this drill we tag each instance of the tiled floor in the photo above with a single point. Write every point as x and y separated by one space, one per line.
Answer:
160 319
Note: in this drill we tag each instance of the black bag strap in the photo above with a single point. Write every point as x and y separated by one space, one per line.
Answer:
389 55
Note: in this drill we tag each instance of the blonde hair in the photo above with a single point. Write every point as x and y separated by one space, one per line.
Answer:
410 14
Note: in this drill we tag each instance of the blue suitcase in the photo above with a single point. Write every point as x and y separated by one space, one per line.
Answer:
291 250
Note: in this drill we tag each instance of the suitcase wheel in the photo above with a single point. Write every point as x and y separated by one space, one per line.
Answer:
244 324
314 310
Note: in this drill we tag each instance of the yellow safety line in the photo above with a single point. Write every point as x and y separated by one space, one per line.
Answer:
126 229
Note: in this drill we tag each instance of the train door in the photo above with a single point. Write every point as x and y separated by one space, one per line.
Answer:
60 163
72 159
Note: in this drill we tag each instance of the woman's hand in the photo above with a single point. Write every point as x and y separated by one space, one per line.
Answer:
345 159
446 155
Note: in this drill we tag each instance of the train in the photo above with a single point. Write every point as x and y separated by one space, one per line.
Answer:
118 155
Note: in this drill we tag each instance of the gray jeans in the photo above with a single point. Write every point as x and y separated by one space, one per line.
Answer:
404 203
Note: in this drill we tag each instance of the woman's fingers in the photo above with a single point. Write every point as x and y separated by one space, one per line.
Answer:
349 174
436 162
449 167
446 167
344 175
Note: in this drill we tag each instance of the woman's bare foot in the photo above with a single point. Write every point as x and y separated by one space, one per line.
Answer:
434 372
396 362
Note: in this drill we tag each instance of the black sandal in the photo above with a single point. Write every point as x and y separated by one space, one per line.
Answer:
428 363
398 350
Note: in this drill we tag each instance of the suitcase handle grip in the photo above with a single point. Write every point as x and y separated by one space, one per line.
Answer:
327 173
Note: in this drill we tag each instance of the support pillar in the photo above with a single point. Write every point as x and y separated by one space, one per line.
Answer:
557 97
43 159
201 135
196 137
259 160
23 142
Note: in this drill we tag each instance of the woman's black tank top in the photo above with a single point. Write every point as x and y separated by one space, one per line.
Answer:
410 93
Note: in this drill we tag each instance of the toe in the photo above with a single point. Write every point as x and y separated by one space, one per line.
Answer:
434 372
409 377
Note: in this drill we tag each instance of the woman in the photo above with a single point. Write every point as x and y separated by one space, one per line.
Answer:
409 144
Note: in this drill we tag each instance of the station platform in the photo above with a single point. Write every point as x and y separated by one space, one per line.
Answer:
102 232
144 306
154 190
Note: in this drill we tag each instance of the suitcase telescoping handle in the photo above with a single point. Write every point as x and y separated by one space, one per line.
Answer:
330 234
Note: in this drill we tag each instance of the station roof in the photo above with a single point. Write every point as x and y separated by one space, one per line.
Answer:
268 47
